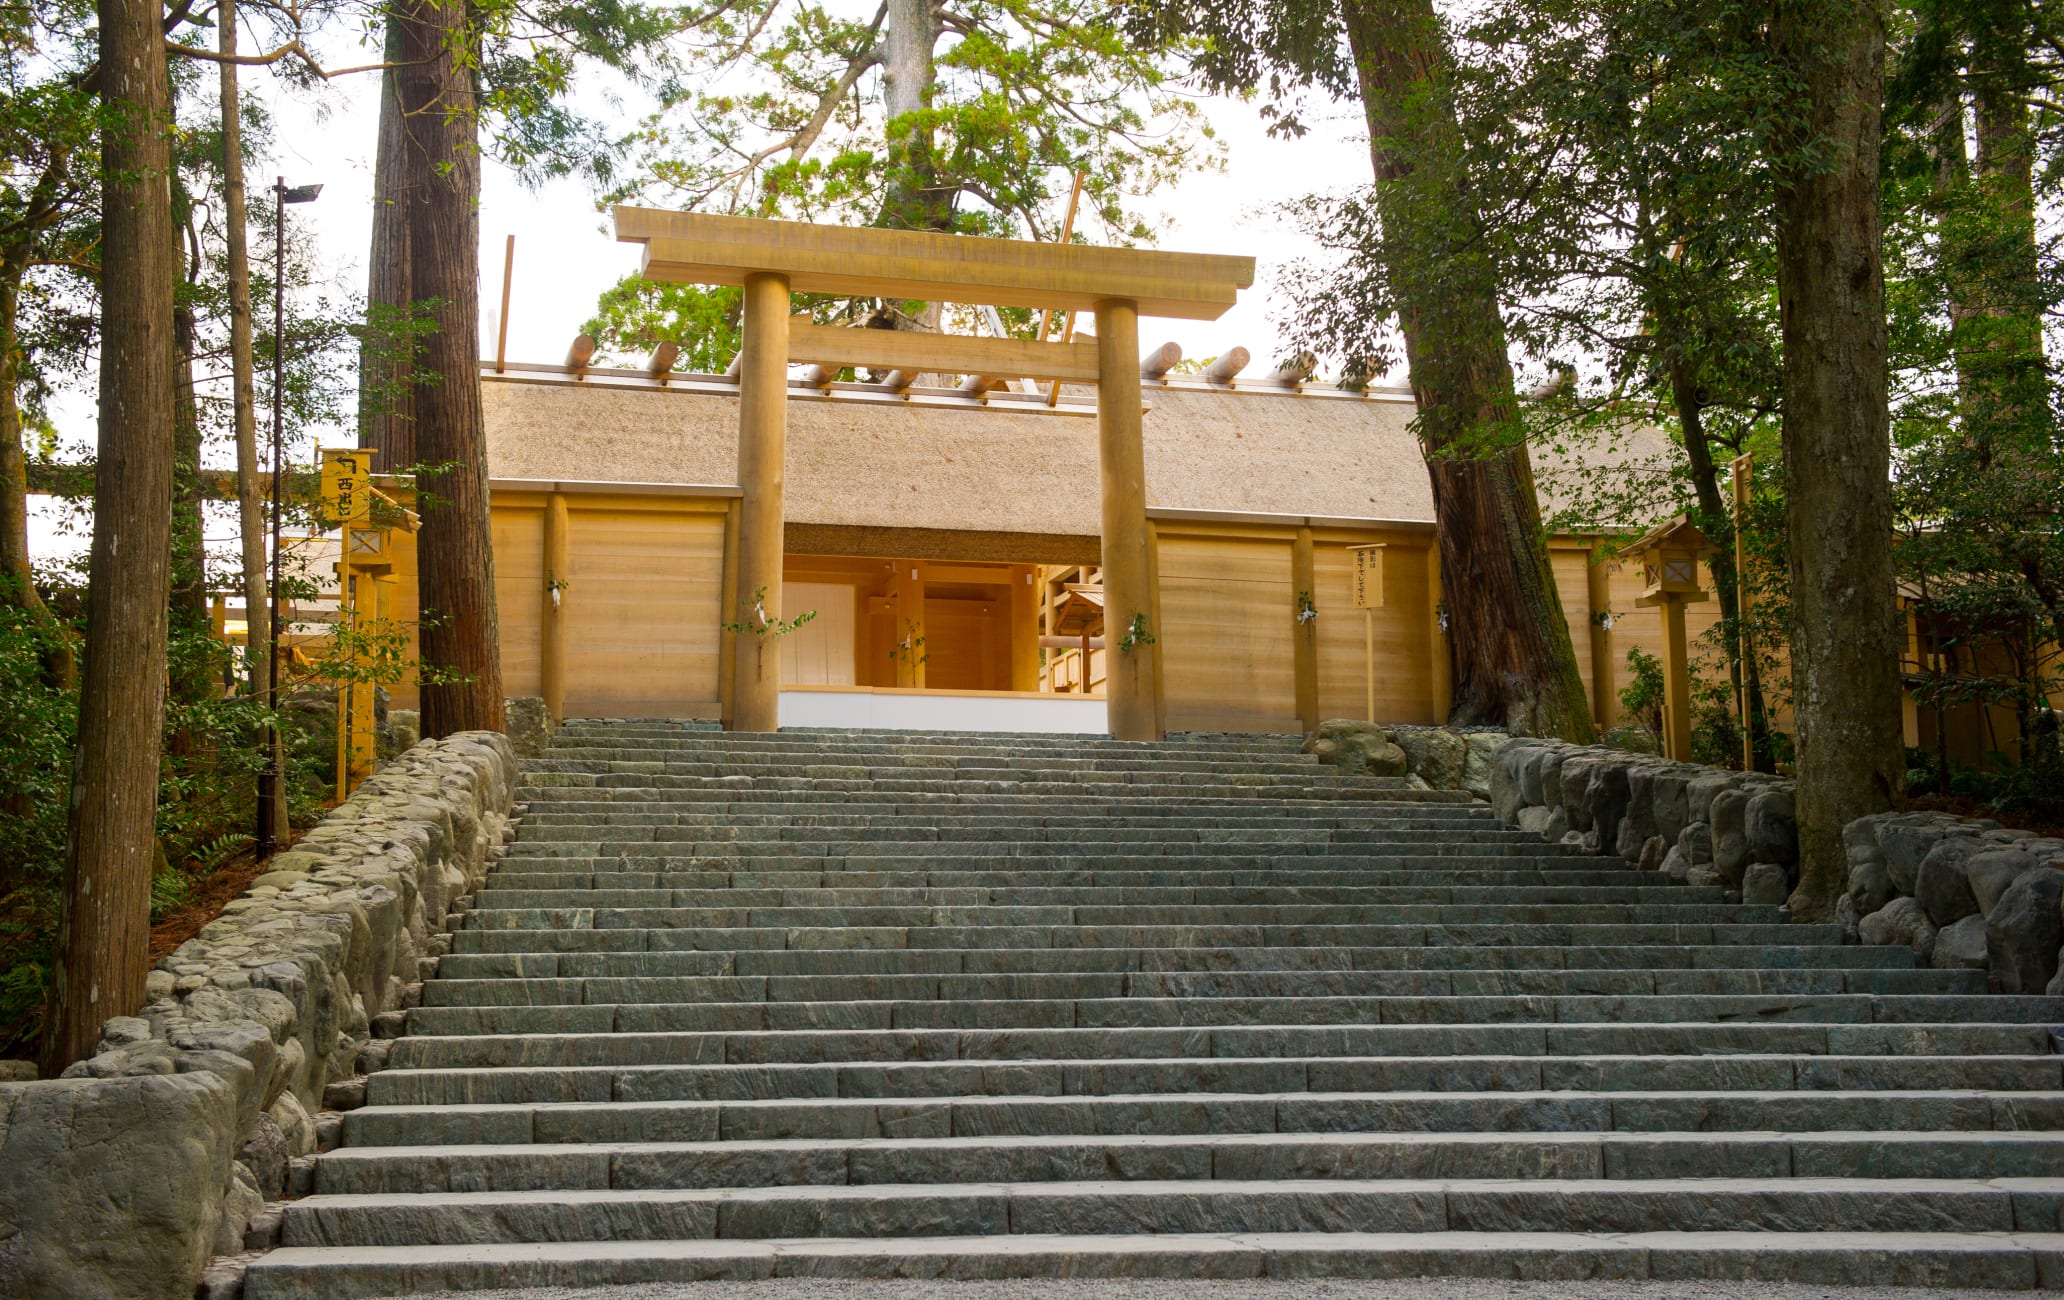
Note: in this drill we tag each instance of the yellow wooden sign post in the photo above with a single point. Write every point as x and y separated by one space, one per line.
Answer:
1366 582
364 583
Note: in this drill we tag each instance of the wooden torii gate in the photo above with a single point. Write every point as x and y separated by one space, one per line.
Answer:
772 259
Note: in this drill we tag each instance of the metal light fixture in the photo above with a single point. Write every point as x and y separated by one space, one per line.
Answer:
269 777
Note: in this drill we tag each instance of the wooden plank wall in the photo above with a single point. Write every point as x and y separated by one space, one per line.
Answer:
1226 641
1404 650
642 612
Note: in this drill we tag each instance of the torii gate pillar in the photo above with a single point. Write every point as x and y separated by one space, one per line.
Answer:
1130 657
762 451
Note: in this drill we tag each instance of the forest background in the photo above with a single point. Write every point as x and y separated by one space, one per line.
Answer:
1583 198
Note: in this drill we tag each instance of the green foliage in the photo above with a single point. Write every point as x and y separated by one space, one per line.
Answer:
205 797
756 620
1641 700
636 315
1136 635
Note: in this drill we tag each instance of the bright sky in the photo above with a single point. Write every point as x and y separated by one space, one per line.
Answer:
565 257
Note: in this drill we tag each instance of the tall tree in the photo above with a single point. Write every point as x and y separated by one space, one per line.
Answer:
1513 660
48 205
386 404
104 923
1837 445
968 118
462 689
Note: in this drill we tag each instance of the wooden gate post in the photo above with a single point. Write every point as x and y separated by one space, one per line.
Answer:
762 442
1304 579
552 650
1129 675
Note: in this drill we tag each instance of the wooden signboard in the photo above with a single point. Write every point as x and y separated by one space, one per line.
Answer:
1367 578
347 483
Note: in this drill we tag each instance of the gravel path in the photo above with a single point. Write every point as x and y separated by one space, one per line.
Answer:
1486 1289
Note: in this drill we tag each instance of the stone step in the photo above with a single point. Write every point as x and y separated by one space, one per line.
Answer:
1787 1205
502 893
807 790
1557 862
1245 814
2014 1261
1204 1012
610 874
642 939
1077 986
1202 1159
907 830
1201 915
862 1004
1199 1114
1333 1074
943 961
1918 1040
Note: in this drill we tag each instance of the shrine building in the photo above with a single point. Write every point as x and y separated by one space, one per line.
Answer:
949 529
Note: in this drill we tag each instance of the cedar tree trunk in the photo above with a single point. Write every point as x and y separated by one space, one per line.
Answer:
1837 451
386 396
462 685
1514 664
251 469
103 931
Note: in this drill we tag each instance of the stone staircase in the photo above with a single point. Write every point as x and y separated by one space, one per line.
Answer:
865 1004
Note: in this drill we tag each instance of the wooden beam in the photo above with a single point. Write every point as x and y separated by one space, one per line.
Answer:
704 248
958 354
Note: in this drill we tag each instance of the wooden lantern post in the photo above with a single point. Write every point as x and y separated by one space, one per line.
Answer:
1669 557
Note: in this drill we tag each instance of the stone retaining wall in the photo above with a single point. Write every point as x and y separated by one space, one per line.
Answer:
123 1177
1962 892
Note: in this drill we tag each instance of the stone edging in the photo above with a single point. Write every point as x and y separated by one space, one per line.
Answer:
1962 892
127 1174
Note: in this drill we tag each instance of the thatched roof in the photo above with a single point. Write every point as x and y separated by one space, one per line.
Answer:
936 460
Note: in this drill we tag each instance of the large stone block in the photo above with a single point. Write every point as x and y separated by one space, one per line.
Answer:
1609 801
2025 930
1637 825
1941 883
1962 945
1577 772
1481 747
1672 800
1355 746
528 724
1900 921
1905 841
1435 755
1729 811
1870 887
1768 825
1992 871
112 1187
1765 882
1704 788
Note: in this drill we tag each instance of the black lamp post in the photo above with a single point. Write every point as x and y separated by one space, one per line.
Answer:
269 778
